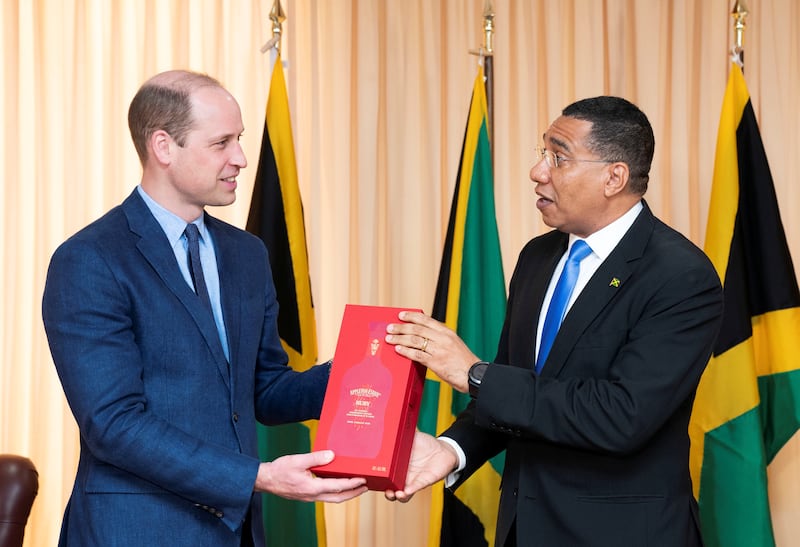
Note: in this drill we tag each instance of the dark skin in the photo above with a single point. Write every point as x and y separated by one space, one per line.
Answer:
581 196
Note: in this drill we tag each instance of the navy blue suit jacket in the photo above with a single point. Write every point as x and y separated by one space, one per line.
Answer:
597 445
167 425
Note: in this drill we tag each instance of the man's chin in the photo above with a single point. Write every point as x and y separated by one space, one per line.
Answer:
222 202
548 219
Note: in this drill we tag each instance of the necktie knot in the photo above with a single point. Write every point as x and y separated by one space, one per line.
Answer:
192 234
580 250
561 296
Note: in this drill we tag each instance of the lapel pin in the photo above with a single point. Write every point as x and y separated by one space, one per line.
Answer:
614 282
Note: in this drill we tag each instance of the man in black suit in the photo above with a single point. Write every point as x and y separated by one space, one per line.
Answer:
594 422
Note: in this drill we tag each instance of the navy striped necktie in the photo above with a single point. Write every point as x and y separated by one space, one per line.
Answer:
195 267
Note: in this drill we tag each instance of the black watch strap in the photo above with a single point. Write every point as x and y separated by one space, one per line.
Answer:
475 377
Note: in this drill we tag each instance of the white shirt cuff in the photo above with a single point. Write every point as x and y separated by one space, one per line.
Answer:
451 479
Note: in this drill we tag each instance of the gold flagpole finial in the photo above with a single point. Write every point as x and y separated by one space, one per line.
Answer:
739 14
487 49
488 27
277 16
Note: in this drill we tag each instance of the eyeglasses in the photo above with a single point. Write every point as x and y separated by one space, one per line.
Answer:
553 160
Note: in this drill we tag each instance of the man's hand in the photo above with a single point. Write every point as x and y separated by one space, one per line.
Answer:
433 344
431 461
290 477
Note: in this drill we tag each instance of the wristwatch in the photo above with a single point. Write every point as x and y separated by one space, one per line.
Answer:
475 377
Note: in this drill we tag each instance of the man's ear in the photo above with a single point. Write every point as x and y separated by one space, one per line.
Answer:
618 178
161 147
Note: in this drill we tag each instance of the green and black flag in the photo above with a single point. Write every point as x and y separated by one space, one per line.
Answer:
470 299
276 216
748 401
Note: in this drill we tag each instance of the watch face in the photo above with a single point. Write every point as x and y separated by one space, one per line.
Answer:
477 371
475 376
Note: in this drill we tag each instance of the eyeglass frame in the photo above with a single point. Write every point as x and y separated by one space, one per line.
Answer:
552 159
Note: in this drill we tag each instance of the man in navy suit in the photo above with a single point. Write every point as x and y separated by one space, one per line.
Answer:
166 386
594 424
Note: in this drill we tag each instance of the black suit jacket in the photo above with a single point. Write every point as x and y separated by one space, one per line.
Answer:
597 445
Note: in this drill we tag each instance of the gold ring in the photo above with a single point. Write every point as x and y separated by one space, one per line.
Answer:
424 345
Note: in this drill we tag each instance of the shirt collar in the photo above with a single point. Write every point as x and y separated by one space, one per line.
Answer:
172 224
606 239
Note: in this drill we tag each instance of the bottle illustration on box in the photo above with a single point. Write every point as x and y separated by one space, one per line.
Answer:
357 429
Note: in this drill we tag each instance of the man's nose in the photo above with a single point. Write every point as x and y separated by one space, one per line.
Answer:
238 158
540 172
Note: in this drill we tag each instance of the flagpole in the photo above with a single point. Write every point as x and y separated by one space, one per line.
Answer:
276 217
488 64
739 14
277 16
486 53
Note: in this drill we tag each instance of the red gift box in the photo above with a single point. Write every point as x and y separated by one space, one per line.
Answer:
372 402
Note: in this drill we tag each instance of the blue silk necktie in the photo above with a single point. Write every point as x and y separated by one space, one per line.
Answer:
195 267
558 304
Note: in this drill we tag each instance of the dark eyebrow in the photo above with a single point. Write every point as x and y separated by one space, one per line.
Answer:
555 140
561 144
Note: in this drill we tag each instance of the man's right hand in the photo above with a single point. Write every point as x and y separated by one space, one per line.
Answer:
290 477
431 461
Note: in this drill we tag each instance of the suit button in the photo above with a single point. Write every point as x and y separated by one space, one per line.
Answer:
219 514
515 492
235 416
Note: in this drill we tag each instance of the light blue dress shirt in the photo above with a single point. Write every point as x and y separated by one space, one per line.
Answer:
173 227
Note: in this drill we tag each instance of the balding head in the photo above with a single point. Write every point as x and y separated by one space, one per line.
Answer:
164 102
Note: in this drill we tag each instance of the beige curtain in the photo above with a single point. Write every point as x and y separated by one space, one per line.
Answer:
379 92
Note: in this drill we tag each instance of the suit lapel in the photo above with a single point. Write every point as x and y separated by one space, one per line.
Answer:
606 283
542 272
154 247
